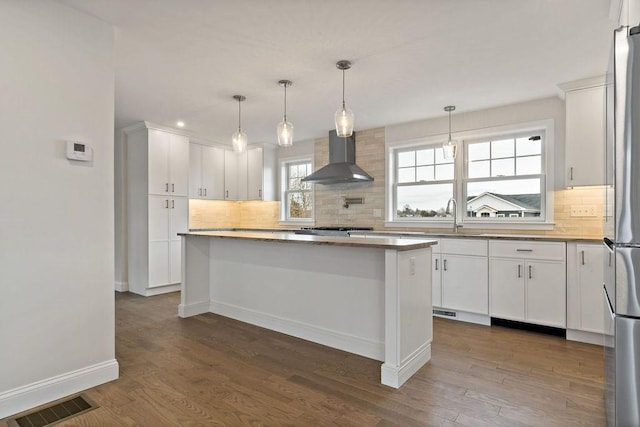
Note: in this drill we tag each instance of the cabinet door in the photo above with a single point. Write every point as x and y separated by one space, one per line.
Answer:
158 263
158 152
179 223
436 280
213 173
179 165
465 283
158 215
585 136
195 171
254 174
507 288
230 175
590 276
546 293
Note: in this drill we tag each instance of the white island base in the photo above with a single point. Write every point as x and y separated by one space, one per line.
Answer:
364 296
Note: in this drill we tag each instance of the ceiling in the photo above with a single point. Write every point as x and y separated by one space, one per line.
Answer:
184 60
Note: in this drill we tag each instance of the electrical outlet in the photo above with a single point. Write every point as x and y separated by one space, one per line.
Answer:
377 213
583 210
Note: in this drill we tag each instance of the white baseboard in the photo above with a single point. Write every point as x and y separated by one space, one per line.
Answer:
35 394
189 310
395 376
584 336
149 292
122 286
330 338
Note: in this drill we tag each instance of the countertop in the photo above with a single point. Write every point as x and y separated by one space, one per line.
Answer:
284 236
425 235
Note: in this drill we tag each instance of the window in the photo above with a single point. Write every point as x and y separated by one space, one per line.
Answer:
425 182
297 200
504 177
500 176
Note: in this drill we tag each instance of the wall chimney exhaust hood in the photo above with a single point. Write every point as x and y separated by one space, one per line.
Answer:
342 163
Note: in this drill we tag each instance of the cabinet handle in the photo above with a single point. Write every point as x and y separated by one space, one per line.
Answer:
173 204
173 188
166 204
571 173
530 275
260 193
444 264
205 192
227 194
519 271
166 187
199 191
582 254
436 264
609 259
524 250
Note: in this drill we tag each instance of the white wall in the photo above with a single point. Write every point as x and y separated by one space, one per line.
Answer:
57 221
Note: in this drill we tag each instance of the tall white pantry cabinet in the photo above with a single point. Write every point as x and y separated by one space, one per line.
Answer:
157 207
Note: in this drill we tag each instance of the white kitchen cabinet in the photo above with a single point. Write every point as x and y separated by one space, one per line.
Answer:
206 172
460 276
235 175
261 174
436 276
585 310
157 207
168 163
626 12
528 282
585 136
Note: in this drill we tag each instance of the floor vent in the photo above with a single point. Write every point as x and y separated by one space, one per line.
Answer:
54 413
445 313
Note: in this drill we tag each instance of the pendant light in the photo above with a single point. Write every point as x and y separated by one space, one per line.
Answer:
344 116
285 128
239 138
449 148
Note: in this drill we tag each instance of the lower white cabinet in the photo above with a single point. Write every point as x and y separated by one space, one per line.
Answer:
460 275
585 308
528 288
167 217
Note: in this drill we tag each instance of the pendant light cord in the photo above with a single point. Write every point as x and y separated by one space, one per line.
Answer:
343 107
449 125
239 115
285 102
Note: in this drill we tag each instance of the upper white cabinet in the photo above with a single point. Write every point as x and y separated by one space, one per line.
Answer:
528 282
626 12
168 163
235 175
463 270
261 174
157 207
206 172
585 308
585 135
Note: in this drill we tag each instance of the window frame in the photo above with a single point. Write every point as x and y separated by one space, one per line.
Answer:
547 127
285 163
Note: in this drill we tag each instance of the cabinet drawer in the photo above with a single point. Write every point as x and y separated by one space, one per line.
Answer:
463 246
555 251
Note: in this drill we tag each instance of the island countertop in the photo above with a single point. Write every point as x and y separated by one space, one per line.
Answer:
399 244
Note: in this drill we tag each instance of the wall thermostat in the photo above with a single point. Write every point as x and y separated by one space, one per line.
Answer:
79 151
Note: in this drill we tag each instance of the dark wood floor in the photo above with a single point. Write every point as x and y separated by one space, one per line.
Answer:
209 370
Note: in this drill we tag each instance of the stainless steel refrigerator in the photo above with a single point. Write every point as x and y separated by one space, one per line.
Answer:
622 233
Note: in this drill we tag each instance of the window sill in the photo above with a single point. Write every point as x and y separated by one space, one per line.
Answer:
485 225
297 222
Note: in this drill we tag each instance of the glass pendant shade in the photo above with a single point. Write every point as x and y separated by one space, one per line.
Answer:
239 141
239 138
285 133
285 127
344 122
449 148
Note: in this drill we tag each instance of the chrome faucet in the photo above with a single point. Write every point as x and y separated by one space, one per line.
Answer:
456 226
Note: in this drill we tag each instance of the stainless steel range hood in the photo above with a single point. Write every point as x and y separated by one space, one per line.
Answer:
342 163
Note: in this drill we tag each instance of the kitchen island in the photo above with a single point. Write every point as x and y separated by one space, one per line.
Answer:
368 296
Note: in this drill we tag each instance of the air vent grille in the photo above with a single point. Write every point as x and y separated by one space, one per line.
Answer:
54 413
445 313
